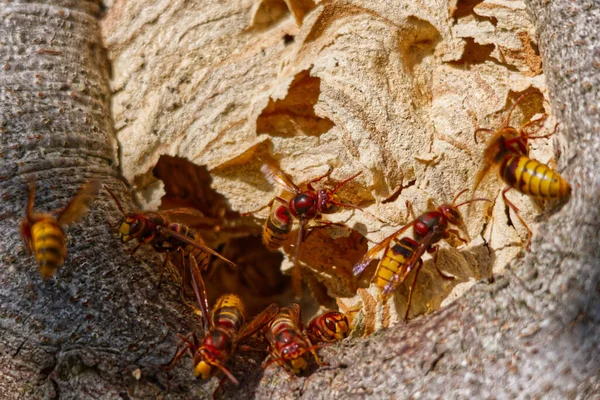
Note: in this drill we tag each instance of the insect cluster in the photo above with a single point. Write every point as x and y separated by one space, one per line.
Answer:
278 329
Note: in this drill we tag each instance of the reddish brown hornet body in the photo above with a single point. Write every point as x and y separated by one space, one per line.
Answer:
508 149
289 345
43 232
164 236
278 226
304 206
405 254
330 327
221 333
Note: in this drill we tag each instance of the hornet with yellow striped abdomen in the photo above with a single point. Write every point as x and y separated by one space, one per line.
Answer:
508 149
222 332
401 256
305 206
330 327
278 226
289 345
43 232
165 236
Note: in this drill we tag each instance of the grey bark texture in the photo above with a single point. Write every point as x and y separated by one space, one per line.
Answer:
532 333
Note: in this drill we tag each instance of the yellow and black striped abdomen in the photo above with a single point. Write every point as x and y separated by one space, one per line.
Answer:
393 260
49 246
533 178
229 312
202 257
277 228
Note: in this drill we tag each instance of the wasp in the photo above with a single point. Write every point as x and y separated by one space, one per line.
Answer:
289 344
222 331
401 256
305 206
330 327
43 232
508 149
154 228
277 227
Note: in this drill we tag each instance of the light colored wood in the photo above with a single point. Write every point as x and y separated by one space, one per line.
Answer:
393 89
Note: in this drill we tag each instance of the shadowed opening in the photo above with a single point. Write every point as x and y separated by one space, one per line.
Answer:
295 114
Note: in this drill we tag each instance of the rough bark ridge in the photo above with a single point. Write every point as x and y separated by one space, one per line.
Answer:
532 332
82 335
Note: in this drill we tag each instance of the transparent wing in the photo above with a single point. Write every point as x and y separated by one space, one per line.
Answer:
79 204
276 177
182 213
297 272
481 174
30 199
493 147
360 266
200 293
187 240
405 269
28 220
192 217
258 322
294 311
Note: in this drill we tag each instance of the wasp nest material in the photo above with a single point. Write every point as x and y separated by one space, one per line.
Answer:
393 89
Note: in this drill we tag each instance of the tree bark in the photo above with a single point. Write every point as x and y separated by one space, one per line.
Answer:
533 332
80 335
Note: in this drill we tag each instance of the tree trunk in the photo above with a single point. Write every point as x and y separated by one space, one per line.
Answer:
80 335
218 85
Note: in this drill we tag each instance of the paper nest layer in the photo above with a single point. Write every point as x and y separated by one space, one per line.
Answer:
393 89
